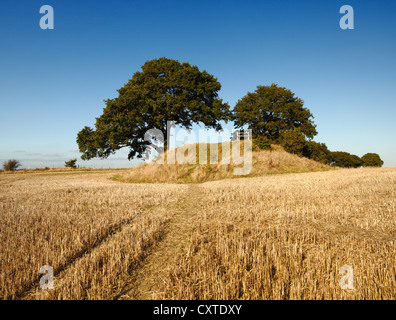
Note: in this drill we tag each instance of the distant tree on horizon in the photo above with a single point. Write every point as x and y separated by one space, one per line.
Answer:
11 165
71 164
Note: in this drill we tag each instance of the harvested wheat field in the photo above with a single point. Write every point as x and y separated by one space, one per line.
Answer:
283 236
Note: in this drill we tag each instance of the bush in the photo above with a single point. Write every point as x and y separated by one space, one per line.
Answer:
372 160
345 160
261 143
317 151
11 165
293 141
71 163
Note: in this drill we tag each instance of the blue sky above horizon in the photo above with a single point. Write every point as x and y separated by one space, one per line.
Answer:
53 82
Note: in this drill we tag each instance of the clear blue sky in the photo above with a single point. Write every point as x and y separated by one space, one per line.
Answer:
53 82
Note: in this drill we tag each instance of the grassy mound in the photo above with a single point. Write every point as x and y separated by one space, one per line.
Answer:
191 170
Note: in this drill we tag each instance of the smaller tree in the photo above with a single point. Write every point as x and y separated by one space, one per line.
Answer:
271 110
11 165
372 160
71 163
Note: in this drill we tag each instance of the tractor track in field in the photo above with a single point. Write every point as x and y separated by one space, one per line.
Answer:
111 231
146 282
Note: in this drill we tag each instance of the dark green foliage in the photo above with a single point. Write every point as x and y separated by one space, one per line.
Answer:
261 143
11 165
165 90
372 160
345 160
317 151
293 141
71 163
272 110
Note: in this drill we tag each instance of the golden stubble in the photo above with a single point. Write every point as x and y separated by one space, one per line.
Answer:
89 229
270 237
287 237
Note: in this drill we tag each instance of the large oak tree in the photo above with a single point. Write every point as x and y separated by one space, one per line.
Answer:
165 90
